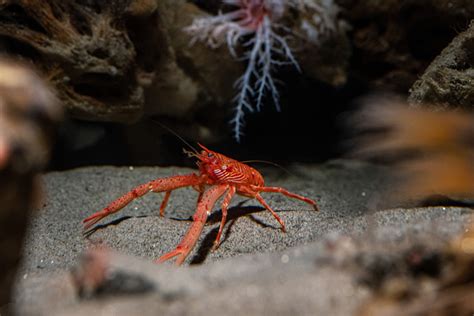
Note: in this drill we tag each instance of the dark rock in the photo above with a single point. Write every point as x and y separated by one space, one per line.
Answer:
449 81
83 49
394 41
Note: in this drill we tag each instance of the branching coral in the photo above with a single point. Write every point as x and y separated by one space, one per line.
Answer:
257 26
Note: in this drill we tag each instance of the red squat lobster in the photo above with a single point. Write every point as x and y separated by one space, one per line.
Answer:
218 175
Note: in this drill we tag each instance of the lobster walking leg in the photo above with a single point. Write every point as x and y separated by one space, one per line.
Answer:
204 207
164 203
262 201
287 193
225 205
159 185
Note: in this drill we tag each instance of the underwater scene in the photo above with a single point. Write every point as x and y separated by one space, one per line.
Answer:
236 157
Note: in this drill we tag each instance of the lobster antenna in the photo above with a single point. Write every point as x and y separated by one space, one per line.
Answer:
178 136
270 163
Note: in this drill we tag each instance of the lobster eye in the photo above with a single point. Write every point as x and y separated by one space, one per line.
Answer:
210 155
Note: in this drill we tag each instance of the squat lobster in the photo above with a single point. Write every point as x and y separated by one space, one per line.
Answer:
218 176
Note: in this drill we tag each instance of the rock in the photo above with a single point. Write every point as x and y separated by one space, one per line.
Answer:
323 48
427 162
449 81
83 49
141 8
29 113
394 41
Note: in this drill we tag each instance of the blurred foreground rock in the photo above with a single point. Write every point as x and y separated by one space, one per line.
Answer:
29 114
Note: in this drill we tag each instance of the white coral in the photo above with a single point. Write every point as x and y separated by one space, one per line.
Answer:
264 47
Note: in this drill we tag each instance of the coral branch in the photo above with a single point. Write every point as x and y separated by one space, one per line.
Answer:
264 48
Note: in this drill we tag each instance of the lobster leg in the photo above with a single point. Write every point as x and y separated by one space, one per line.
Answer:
204 207
159 185
164 203
287 193
262 201
225 205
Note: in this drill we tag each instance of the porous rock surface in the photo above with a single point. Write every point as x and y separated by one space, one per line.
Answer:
449 80
395 40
